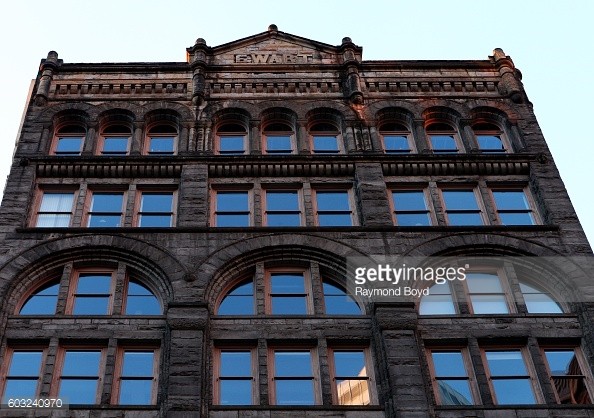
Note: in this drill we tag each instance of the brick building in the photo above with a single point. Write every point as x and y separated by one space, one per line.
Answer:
174 239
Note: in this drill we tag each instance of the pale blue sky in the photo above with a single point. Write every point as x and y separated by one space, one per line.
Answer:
549 41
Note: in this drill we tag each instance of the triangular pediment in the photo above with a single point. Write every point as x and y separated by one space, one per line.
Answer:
275 48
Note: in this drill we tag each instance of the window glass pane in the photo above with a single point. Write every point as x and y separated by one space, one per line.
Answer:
231 144
287 283
104 221
93 283
21 389
294 392
236 363
91 305
560 362
325 144
489 304
135 392
156 221
25 363
141 301
136 289
156 202
115 145
416 219
396 143
506 363
454 392
460 200
50 221
538 301
514 392
235 392
437 305
286 200
516 219
78 391
490 143
483 283
232 220
333 201
335 220
292 363
69 145
138 364
240 301
353 392
510 199
286 219
449 364
338 302
81 363
42 302
464 219
161 145
56 202
232 201
107 202
289 305
350 363
278 143
441 143
409 200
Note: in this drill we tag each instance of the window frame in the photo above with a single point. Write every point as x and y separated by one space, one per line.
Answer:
88 207
337 134
280 188
33 290
138 212
5 367
407 133
118 376
38 201
218 350
505 144
219 135
289 133
307 295
411 188
477 197
220 188
58 136
103 136
454 133
506 290
315 372
468 368
334 188
73 289
531 210
149 137
586 375
369 378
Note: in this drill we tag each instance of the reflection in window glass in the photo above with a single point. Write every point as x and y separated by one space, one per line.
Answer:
80 377
282 208
510 378
338 302
538 301
156 209
443 144
486 293
236 381
239 301
55 210
350 377
115 145
287 294
278 144
490 144
163 145
567 377
333 208
232 145
106 210
410 208
513 207
327 144
462 208
293 378
439 301
69 145
232 209
137 377
453 383
23 375
93 294
43 301
141 301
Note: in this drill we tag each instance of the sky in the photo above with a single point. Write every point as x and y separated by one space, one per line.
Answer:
549 41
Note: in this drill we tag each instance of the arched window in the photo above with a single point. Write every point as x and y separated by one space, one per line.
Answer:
239 300
538 301
115 140
43 301
231 139
162 140
439 301
490 138
69 140
279 138
396 138
338 302
141 301
443 138
325 139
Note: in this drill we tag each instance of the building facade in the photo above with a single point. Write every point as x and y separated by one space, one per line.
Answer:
175 237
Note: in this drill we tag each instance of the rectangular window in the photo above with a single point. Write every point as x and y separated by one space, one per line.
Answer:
486 293
444 144
452 383
22 375
106 209
161 145
156 209
279 144
333 208
288 292
93 294
136 379
325 144
232 144
410 208
55 210
69 145
350 377
510 380
293 380
513 207
283 208
115 145
461 207
79 378
235 377
232 209
567 376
